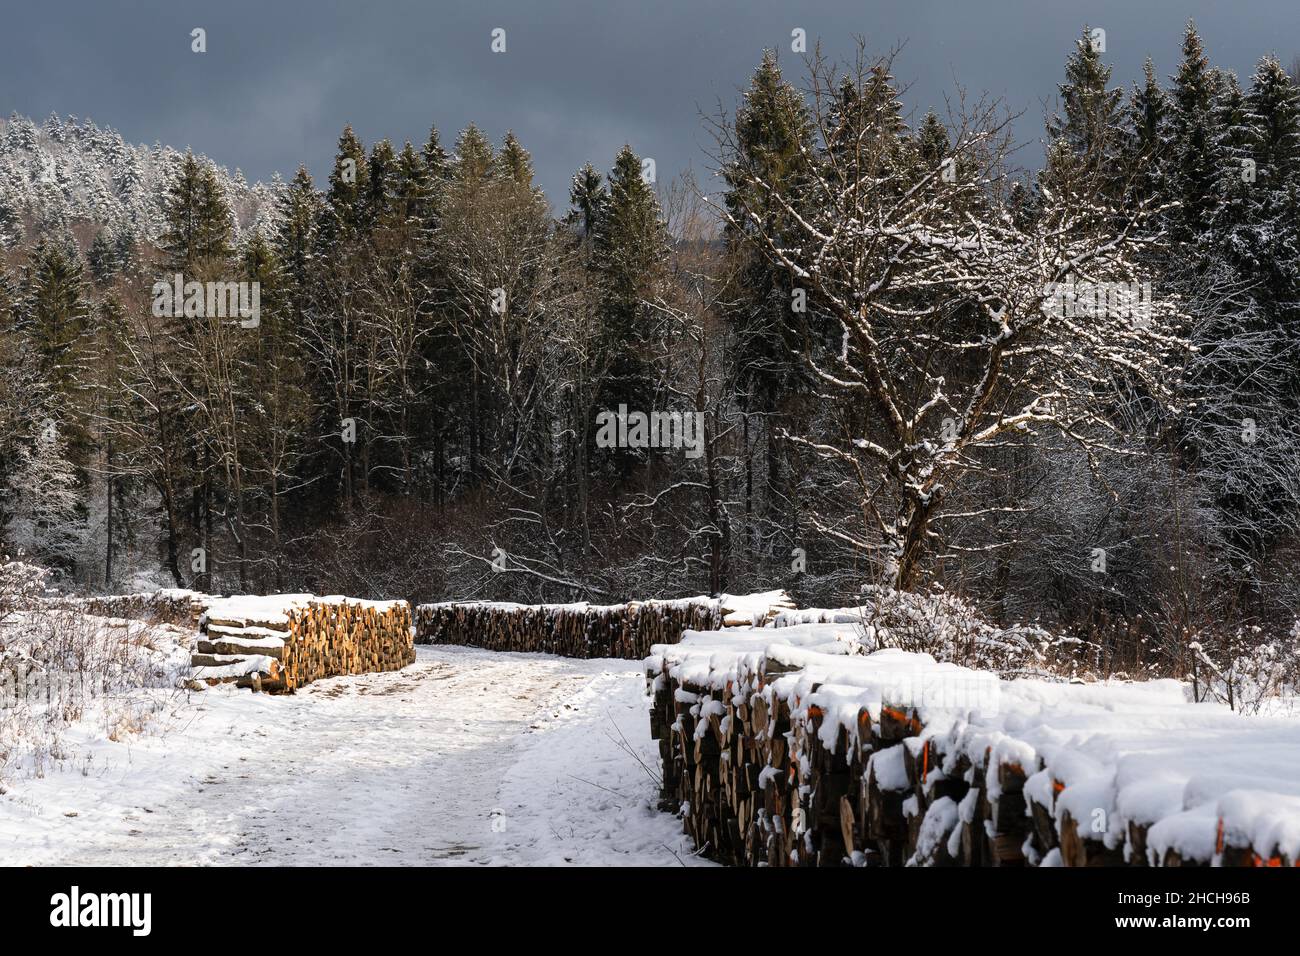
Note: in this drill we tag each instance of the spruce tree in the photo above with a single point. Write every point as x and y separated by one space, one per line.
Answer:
773 134
348 193
301 209
383 175
474 157
1146 140
56 311
513 161
102 257
1194 165
1090 121
412 199
588 197
630 243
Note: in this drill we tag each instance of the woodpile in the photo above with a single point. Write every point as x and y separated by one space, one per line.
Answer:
770 760
281 642
754 610
570 630
167 606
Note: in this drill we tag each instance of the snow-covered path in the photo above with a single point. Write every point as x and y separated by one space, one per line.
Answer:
464 757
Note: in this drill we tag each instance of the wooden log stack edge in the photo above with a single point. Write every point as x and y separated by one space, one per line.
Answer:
282 642
761 774
167 606
570 630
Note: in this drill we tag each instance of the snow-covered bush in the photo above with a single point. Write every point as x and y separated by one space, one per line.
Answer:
950 628
21 585
1245 670
59 666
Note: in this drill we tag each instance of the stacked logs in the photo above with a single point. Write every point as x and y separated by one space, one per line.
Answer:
283 642
167 606
570 630
767 767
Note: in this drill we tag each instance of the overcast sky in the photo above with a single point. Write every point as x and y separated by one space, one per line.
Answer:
578 78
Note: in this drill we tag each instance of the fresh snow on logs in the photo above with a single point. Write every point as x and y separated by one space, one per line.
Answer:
820 615
569 630
753 610
280 642
794 746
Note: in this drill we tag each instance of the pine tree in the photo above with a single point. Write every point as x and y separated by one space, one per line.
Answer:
10 223
199 225
301 209
436 160
588 197
513 161
474 156
349 190
1272 118
1273 111
56 314
413 194
630 244
102 257
1194 164
932 143
1146 140
382 169
773 133
438 167
1091 119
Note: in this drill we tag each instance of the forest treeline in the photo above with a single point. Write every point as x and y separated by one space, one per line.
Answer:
864 310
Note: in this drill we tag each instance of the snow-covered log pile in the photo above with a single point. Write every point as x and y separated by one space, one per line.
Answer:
754 610
795 747
820 615
280 642
166 606
570 630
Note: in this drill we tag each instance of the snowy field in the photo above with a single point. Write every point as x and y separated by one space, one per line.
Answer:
465 757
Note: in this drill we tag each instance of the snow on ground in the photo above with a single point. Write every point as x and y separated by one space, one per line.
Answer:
464 757
584 786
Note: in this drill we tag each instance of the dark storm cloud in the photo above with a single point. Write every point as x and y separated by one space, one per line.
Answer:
578 79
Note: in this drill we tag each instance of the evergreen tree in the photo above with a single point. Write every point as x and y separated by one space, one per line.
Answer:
773 132
348 193
513 161
1090 121
630 244
438 167
588 197
1194 165
199 224
102 257
45 517
474 156
436 160
413 193
56 314
301 209
1146 139
383 175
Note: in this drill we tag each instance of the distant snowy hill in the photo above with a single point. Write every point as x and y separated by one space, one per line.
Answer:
61 173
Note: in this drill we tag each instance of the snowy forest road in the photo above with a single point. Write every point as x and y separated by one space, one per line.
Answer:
464 757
